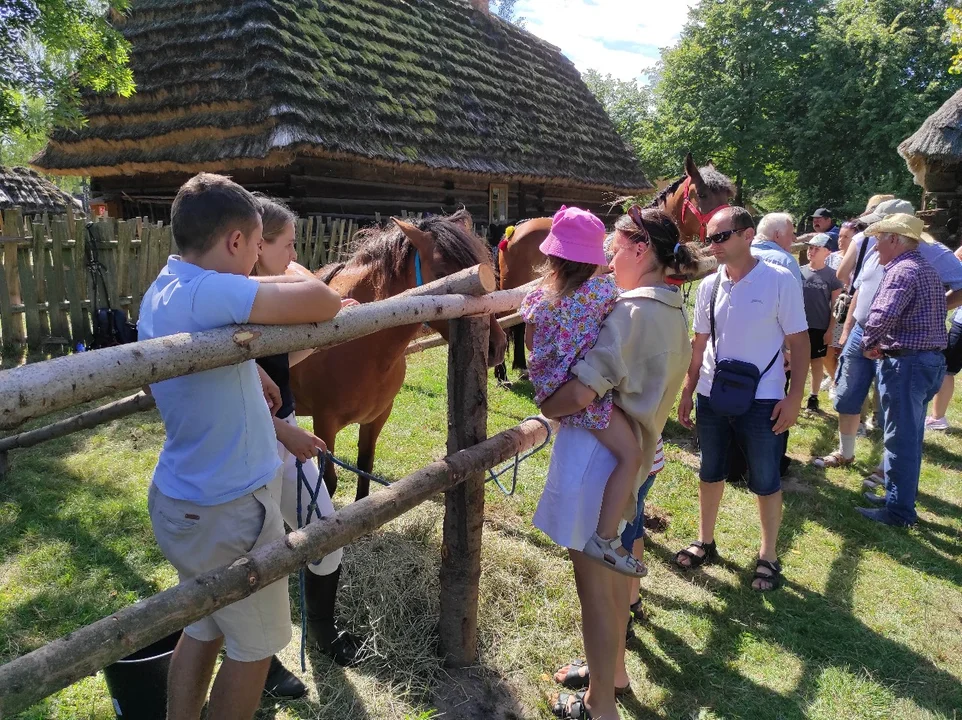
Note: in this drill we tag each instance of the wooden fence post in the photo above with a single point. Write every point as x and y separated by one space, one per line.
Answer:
464 505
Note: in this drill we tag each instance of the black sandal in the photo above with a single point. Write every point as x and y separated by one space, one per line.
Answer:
571 707
774 579
574 680
696 561
638 613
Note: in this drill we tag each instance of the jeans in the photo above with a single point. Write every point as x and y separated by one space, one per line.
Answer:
907 385
636 529
753 432
853 379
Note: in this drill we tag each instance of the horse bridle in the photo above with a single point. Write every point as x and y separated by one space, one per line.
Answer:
703 218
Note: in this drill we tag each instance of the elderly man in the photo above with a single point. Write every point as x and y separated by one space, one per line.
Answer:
746 312
773 243
822 223
905 333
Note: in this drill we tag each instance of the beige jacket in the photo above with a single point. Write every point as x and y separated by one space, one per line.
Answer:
642 354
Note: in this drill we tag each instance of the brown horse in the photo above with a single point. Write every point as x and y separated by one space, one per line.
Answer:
357 382
691 200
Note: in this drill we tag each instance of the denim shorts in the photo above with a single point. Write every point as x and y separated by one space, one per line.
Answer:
636 529
854 377
753 432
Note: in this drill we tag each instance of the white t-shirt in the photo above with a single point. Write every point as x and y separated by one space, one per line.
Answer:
220 436
752 318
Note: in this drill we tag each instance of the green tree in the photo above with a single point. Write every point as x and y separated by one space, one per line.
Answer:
628 103
505 9
52 51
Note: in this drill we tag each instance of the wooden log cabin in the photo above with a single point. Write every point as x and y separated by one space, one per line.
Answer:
934 157
349 108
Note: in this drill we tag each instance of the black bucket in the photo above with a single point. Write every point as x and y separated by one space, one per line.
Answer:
138 683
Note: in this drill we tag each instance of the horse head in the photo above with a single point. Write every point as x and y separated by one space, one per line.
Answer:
441 246
695 197
519 252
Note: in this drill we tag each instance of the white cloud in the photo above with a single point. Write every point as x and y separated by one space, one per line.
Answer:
621 37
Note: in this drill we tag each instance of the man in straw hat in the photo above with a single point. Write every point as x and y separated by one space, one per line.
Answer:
905 333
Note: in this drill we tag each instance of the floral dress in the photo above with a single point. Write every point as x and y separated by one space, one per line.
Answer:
565 328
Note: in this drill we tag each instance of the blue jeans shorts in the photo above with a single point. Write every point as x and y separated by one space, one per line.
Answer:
753 432
636 529
855 375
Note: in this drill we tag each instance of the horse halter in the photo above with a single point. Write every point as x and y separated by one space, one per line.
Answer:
418 277
703 218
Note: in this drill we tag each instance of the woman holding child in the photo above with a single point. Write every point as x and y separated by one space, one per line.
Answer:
623 358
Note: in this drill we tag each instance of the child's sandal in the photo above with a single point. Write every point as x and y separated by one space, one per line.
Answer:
606 553
695 561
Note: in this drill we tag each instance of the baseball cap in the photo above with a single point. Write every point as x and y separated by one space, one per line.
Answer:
889 207
822 213
820 240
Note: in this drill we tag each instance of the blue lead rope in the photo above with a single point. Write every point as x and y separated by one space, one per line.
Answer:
314 492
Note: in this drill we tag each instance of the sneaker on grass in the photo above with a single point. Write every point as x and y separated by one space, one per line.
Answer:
932 423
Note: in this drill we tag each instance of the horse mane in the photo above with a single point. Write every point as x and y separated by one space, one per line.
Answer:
714 181
387 251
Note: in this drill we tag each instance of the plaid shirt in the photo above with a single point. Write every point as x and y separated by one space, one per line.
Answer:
908 312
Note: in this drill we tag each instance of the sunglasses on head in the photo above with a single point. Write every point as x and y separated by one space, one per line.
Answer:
724 236
634 212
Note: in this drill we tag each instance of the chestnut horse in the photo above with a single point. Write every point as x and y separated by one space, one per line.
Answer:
691 200
356 382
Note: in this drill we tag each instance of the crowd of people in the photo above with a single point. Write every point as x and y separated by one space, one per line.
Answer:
611 350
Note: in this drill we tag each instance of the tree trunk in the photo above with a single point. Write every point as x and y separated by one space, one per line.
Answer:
54 666
464 504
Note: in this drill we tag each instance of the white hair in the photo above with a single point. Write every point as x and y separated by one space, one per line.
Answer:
769 225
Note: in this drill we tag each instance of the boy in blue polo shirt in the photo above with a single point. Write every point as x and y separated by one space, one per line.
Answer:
216 487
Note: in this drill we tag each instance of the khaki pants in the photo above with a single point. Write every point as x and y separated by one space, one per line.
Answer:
197 539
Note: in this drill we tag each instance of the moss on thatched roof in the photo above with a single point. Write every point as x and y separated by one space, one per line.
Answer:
23 188
940 137
436 84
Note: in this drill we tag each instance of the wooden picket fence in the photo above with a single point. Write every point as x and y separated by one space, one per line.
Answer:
46 287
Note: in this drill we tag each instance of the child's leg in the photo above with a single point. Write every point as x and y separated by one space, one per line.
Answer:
817 374
620 440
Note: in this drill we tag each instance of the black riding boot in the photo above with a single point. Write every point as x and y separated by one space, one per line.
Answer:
320 599
282 683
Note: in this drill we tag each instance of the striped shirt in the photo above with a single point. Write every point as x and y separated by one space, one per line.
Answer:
659 464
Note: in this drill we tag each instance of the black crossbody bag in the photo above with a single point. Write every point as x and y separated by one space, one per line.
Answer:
736 381
844 300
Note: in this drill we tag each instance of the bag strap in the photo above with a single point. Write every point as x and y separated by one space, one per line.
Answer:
711 318
859 262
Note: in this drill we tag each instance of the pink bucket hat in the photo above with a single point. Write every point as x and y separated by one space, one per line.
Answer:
576 235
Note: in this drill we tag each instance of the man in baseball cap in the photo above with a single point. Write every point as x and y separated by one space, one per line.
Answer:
886 208
822 223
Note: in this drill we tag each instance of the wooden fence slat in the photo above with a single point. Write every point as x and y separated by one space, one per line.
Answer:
73 275
31 312
6 316
107 251
319 258
143 263
81 274
13 225
122 277
39 253
59 324
160 249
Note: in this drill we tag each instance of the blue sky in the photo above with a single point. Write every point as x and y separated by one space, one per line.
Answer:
621 37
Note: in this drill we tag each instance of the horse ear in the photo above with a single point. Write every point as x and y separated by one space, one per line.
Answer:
692 170
422 240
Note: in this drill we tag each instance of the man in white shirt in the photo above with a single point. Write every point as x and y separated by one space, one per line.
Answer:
758 309
773 243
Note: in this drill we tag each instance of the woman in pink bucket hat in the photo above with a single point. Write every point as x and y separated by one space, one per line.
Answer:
564 315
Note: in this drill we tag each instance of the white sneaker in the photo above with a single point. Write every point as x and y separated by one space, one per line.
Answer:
826 385
605 552
832 393
932 423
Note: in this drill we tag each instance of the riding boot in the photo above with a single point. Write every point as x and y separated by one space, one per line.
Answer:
282 683
320 599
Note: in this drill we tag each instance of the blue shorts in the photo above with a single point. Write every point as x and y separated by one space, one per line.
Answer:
854 377
753 432
636 529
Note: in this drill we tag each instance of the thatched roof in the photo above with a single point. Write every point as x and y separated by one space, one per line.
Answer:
433 84
24 188
940 137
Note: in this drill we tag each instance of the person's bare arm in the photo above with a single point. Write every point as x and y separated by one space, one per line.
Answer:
529 336
291 300
953 299
574 396
786 411
831 318
847 266
849 321
687 402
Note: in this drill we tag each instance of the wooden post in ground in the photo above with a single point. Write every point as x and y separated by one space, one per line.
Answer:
464 504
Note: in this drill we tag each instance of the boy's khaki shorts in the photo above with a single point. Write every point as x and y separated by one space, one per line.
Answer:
197 539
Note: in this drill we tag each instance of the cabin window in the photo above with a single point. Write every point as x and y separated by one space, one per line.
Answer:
497 203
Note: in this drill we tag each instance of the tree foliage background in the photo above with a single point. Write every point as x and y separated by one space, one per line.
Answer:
801 102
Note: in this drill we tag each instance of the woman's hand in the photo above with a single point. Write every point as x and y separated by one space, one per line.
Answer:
272 393
299 442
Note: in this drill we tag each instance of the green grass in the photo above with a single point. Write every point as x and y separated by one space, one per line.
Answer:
869 625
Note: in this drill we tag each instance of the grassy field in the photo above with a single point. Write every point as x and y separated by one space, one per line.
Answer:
869 625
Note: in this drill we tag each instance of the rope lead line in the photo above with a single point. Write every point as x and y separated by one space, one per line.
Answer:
314 492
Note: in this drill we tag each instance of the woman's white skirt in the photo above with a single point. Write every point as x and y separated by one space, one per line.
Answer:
570 505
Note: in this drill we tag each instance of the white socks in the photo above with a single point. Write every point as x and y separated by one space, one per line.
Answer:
846 444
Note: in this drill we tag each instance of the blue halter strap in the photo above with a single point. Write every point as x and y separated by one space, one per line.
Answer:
418 278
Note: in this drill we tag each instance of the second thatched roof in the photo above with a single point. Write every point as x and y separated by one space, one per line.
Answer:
24 188
940 137
428 84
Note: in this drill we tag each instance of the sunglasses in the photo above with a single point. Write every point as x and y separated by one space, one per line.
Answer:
724 236
634 212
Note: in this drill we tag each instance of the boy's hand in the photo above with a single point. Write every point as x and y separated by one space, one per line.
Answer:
299 442
272 393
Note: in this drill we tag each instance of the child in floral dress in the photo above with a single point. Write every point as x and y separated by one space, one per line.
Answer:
564 316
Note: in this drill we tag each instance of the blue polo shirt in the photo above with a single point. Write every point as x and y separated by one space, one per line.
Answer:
773 254
220 435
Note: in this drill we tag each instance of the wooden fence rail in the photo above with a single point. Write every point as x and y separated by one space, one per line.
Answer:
47 289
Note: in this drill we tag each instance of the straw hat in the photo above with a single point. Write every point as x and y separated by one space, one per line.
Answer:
901 224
